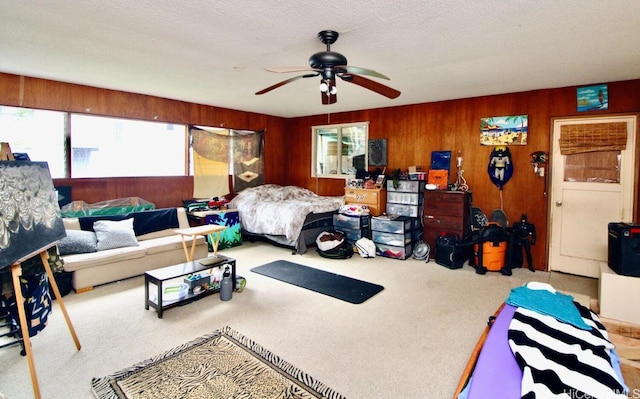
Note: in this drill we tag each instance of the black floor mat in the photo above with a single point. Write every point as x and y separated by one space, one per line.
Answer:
331 284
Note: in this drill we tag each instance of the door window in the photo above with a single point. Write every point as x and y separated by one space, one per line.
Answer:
593 167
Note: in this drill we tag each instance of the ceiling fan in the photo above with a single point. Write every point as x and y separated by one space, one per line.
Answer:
329 65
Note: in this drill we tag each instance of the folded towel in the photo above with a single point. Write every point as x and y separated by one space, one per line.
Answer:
557 305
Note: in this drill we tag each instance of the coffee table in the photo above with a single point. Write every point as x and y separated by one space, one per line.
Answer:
159 278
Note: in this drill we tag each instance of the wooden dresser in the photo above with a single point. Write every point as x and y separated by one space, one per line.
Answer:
374 198
445 211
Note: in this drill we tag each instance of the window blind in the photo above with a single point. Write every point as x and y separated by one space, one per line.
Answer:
591 137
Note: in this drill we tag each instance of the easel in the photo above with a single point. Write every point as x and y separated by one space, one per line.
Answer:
16 272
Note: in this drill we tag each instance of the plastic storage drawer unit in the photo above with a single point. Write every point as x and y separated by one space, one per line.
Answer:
400 239
398 225
350 222
403 198
407 186
403 210
353 235
395 252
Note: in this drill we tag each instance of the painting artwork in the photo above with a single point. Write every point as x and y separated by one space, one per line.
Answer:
232 235
378 152
504 130
29 211
592 98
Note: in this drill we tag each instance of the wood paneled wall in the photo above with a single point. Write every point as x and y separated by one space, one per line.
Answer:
412 132
164 191
171 192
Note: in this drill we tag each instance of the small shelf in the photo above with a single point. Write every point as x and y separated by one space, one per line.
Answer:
158 277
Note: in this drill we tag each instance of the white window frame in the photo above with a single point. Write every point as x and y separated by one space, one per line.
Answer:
315 133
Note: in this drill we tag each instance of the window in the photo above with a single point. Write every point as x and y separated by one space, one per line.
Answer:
339 150
99 146
113 147
38 133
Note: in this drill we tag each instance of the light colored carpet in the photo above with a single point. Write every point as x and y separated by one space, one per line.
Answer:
412 340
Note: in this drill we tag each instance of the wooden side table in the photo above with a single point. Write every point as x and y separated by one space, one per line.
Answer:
211 230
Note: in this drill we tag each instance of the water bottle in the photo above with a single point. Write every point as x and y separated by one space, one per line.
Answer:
226 285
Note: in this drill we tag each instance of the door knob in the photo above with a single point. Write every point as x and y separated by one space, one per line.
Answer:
558 203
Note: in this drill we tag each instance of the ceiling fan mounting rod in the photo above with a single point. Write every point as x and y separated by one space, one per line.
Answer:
328 37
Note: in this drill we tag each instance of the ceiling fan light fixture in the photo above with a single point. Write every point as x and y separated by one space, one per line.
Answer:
324 87
333 90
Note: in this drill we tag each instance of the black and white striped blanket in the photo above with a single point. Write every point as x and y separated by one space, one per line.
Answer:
560 360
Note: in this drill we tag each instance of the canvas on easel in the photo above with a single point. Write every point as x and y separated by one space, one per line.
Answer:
29 209
30 224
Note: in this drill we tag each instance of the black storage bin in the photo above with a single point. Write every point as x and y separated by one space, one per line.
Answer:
624 248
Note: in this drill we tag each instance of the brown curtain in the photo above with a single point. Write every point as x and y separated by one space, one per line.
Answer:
591 137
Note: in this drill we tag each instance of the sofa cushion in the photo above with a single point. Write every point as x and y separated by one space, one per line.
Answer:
101 258
169 243
115 234
156 234
78 242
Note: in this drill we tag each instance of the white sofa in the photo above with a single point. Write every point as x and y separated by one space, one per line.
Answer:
156 249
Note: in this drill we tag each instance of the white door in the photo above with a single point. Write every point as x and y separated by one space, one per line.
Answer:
587 192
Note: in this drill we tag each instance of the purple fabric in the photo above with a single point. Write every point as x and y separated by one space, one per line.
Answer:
497 375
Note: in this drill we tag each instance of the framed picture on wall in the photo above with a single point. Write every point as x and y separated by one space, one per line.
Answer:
591 98
378 152
504 130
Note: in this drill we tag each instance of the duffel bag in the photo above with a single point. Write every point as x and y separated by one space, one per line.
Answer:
333 245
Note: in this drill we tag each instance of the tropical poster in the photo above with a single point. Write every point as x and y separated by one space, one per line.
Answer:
504 130
592 98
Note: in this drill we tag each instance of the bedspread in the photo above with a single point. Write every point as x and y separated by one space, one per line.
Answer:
280 210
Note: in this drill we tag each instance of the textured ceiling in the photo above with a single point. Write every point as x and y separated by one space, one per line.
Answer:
215 52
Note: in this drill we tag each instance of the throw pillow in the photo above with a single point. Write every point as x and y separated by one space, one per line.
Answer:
115 234
78 242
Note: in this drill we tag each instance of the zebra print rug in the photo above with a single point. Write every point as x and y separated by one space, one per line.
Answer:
223 364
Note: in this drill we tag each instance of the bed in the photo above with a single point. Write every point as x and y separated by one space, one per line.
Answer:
287 216
543 344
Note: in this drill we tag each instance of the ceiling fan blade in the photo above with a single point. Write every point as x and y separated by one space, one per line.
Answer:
291 69
284 82
371 85
360 71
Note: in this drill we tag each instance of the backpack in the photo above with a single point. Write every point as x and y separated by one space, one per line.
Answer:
449 252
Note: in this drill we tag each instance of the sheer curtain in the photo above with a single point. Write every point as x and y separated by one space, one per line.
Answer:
219 152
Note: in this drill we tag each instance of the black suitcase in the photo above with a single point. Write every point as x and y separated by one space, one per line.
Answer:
449 253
